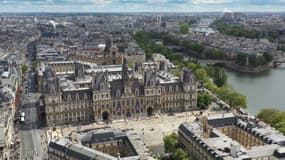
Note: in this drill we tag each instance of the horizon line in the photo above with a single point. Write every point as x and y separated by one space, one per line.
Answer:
24 12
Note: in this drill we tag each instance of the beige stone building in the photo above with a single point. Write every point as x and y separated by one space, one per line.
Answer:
97 144
230 137
121 95
107 57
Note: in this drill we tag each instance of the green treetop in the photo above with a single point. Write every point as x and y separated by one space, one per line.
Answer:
184 27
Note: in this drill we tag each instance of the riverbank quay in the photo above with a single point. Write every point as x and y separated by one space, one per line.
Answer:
229 64
239 68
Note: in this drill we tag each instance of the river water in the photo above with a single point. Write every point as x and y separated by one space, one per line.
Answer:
263 90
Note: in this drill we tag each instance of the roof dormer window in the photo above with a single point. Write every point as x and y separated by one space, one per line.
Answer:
136 91
118 93
102 86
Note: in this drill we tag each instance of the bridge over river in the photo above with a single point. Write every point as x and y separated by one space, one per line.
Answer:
212 62
278 59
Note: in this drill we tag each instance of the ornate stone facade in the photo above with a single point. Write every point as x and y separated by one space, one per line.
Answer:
98 97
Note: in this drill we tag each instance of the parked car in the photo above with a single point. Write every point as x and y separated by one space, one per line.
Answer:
215 99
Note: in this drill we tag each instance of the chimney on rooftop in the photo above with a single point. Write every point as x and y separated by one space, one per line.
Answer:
206 128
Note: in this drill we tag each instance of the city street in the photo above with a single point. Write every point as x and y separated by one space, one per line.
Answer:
30 135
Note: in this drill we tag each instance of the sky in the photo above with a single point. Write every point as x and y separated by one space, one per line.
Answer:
141 5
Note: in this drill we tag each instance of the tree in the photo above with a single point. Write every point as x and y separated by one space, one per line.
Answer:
281 47
204 100
268 57
211 70
180 154
215 54
273 117
201 74
237 100
255 60
220 77
266 114
211 86
224 93
241 59
237 30
191 66
184 27
170 142
176 72
24 68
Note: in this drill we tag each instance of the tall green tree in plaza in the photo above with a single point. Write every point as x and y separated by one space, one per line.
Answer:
184 27
180 154
170 142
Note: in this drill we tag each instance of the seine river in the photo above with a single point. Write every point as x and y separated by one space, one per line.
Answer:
263 90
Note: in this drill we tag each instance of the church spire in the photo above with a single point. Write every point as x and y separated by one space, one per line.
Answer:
125 74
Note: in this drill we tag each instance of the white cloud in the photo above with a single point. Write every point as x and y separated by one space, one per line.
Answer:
211 1
227 10
102 1
157 1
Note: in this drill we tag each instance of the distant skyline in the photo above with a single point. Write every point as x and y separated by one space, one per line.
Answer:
141 5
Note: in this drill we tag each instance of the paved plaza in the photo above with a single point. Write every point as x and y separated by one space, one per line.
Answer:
150 130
